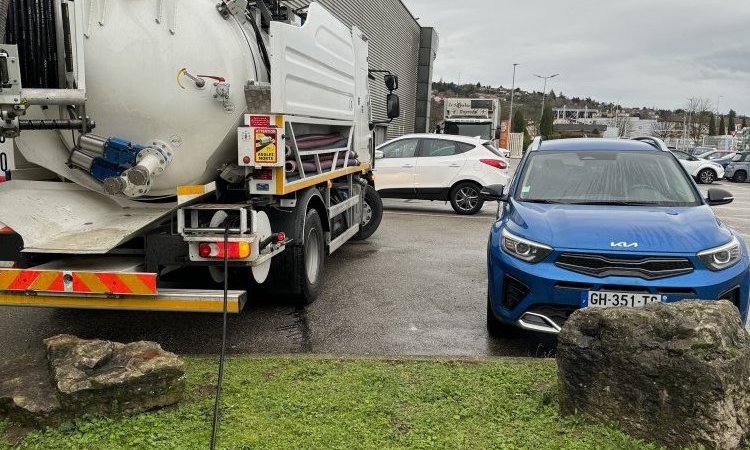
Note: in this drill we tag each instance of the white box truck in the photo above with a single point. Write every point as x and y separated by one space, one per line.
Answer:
176 137
472 117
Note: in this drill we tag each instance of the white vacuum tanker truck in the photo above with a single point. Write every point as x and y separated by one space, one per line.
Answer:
156 141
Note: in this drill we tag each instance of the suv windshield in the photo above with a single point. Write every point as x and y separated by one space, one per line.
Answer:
606 178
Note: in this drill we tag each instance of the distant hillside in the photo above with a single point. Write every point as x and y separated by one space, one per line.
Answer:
530 102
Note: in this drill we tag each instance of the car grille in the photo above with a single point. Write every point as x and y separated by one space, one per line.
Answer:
648 268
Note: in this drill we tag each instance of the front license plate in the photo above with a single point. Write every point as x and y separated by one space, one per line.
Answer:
601 299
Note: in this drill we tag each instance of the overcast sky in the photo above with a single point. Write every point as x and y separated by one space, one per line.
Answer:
640 52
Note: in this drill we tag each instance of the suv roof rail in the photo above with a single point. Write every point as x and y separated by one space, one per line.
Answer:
653 141
535 144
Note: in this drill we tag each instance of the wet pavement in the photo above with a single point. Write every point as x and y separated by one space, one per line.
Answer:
417 287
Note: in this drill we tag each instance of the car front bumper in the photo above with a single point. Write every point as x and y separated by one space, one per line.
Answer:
540 297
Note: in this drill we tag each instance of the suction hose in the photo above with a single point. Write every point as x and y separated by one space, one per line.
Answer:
4 6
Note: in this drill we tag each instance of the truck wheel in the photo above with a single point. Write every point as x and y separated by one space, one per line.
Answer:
740 176
465 198
372 214
308 260
706 176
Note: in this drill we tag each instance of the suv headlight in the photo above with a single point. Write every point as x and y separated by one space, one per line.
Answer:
723 257
524 249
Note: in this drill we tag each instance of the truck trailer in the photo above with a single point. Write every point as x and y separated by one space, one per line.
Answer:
164 145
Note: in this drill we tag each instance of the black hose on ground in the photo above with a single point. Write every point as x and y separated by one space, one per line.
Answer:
222 355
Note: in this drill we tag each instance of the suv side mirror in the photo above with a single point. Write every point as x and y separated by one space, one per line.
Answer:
391 82
379 154
717 197
493 193
394 106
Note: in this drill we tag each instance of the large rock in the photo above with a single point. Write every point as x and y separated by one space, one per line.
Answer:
26 391
676 374
103 377
76 377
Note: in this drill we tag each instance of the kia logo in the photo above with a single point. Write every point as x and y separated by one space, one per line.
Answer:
624 244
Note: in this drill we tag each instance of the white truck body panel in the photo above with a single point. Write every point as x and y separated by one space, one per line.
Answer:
68 218
313 67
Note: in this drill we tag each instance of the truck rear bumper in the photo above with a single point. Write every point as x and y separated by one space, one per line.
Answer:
178 300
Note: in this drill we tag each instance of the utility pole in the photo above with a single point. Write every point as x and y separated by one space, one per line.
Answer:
544 91
512 96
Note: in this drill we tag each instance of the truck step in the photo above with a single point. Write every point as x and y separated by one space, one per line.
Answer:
177 300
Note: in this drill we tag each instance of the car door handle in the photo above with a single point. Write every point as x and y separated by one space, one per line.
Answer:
407 166
455 165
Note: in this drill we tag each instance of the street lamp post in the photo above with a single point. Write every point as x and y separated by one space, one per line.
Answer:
512 96
544 91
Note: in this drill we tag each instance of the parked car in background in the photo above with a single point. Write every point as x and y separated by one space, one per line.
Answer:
699 150
439 167
703 171
739 167
725 160
716 154
591 223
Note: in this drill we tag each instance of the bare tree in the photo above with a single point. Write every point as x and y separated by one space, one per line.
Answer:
624 125
698 114
664 130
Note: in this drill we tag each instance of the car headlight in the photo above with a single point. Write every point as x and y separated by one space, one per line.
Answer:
524 249
723 257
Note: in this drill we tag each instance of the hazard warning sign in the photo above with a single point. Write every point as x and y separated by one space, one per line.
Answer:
266 145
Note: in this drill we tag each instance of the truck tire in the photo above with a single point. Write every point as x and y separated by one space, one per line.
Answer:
740 176
465 198
372 214
299 269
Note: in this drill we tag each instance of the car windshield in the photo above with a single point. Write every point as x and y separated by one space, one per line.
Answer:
606 177
483 130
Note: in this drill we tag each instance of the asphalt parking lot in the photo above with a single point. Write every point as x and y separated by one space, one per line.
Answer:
417 287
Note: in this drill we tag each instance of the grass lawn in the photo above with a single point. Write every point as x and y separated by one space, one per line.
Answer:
313 403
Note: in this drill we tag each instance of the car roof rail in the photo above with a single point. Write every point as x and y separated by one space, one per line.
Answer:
535 144
652 141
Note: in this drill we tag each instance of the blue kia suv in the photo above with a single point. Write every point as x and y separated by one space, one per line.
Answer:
606 223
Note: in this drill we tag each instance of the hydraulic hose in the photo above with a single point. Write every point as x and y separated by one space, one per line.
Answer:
4 6
222 355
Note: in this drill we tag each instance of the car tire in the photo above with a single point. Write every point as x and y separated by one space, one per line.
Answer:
740 176
465 198
372 214
496 328
706 176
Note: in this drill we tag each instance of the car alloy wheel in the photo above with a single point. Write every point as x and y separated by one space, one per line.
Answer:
467 198
706 176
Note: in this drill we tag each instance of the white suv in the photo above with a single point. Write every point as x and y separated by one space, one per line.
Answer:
704 171
439 167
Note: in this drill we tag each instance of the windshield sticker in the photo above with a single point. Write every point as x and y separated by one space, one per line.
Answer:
525 189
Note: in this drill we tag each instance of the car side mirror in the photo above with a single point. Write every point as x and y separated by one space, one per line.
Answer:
717 197
379 154
391 82
493 193
393 106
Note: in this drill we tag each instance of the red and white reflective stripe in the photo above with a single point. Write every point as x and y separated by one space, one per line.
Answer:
83 282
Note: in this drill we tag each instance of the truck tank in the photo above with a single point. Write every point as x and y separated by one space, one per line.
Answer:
142 64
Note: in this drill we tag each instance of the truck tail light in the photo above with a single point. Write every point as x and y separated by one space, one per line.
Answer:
496 163
234 250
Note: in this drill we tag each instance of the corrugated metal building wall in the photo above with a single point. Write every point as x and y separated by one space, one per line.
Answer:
394 45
